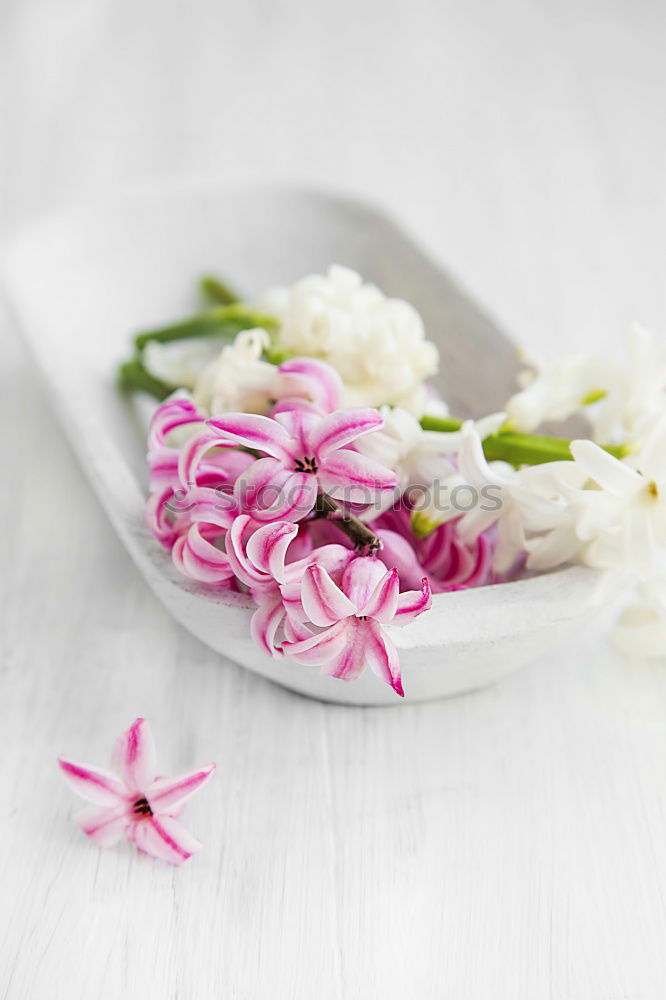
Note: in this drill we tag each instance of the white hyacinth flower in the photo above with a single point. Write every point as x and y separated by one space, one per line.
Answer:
636 394
529 507
624 518
556 392
415 455
180 362
621 399
377 344
238 379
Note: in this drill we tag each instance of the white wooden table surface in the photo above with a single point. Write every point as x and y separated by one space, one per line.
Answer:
509 844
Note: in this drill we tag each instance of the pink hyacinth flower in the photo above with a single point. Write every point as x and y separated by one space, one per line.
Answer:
131 801
306 383
259 559
352 617
167 512
305 454
447 560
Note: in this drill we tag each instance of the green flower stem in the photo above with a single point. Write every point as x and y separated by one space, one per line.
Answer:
224 321
216 291
518 449
133 376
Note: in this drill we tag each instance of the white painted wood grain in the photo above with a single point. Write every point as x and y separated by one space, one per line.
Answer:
511 844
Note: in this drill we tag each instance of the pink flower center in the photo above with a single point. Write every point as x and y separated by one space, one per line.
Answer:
306 464
142 807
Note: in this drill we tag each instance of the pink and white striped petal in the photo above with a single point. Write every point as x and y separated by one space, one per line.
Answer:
323 601
159 517
333 557
341 428
95 784
351 662
322 647
105 827
300 424
235 543
383 602
267 548
382 657
212 506
200 559
252 430
413 603
272 493
266 621
312 380
134 755
175 412
165 793
347 475
165 838
193 452
360 579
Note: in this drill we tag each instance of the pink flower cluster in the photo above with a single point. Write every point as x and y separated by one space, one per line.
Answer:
237 499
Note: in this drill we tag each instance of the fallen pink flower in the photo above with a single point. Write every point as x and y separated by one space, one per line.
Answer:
131 801
351 618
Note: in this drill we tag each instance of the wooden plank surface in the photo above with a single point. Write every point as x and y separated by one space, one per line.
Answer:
509 844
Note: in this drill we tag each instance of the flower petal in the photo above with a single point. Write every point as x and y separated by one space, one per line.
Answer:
174 412
313 380
243 567
158 511
653 452
272 493
611 474
212 506
383 602
104 826
265 622
134 756
351 662
200 559
94 783
343 427
349 476
382 657
319 648
193 452
413 603
360 579
254 431
165 838
165 793
267 547
323 602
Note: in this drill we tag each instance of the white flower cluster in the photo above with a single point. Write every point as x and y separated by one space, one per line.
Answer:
237 379
598 510
376 344
622 400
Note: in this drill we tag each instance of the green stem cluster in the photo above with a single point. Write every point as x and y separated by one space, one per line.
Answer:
517 449
223 317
